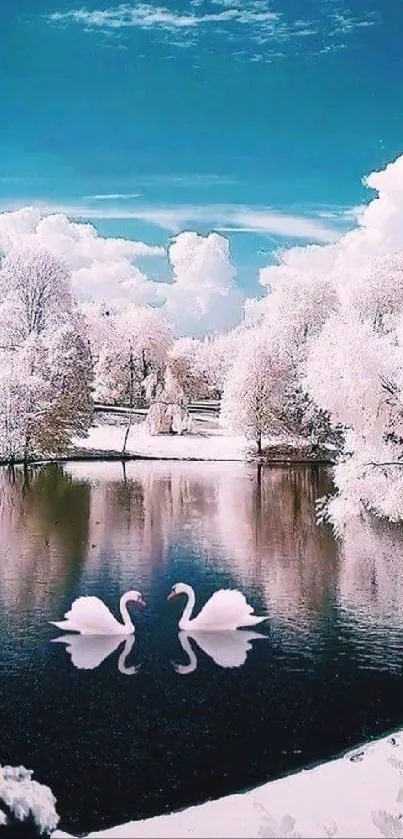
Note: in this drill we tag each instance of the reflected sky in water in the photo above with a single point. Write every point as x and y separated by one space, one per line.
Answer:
123 730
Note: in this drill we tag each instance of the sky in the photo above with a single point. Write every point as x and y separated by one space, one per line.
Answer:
256 119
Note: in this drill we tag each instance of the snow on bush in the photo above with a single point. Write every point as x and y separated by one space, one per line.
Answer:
22 799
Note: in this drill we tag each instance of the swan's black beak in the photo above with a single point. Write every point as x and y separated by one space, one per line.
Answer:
171 595
141 601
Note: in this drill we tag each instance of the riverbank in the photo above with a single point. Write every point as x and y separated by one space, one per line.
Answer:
207 442
356 796
107 439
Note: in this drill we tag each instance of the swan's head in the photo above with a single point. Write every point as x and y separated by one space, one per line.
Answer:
136 597
177 589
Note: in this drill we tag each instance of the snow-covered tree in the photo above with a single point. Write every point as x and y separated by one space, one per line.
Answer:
145 337
98 319
25 400
168 412
188 362
275 346
45 360
355 372
71 379
249 392
129 348
35 294
220 353
45 395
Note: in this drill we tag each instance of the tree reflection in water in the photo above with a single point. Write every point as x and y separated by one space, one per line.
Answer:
63 525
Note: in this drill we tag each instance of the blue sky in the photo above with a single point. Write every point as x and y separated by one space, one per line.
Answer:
254 118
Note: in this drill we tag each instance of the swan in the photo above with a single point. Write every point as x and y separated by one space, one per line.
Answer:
90 616
227 609
87 652
227 649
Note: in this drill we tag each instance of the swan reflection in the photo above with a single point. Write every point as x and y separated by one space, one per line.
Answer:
227 649
87 652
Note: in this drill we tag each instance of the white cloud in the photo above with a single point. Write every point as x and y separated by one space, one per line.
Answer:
255 18
281 224
220 217
99 265
145 16
345 22
379 232
113 196
203 295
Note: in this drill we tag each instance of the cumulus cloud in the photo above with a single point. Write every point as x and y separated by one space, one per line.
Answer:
101 266
202 297
379 232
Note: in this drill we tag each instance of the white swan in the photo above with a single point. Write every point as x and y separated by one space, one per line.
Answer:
90 616
87 652
227 649
227 609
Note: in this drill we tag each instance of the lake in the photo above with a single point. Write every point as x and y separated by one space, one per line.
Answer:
122 741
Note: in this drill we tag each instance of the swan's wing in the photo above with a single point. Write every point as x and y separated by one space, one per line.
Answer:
227 649
88 651
226 609
91 616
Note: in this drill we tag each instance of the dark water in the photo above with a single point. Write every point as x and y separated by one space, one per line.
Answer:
114 746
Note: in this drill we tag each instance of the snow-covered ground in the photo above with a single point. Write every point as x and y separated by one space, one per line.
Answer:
359 795
209 444
208 441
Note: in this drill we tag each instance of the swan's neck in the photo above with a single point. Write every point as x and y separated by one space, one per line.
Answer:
187 612
127 671
186 647
127 622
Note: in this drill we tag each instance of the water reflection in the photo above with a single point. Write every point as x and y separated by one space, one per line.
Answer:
327 675
268 527
226 649
62 528
71 524
87 652
44 526
370 588
260 522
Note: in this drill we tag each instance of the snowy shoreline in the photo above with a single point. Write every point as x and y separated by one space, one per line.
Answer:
355 796
106 442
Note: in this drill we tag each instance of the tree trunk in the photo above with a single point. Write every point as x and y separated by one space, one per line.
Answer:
131 386
127 434
143 356
258 515
259 442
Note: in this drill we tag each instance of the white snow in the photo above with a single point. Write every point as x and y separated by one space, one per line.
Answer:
356 796
26 798
207 446
208 442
